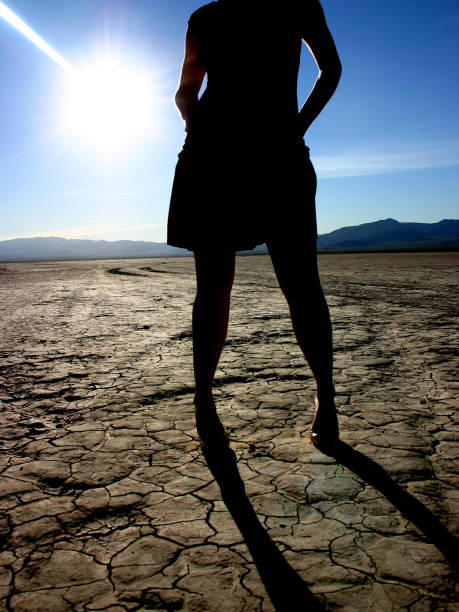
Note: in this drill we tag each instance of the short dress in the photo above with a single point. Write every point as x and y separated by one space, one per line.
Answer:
243 176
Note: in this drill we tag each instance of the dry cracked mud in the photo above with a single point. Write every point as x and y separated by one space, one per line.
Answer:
107 502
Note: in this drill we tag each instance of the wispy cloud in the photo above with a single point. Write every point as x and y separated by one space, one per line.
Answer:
400 158
83 231
88 192
72 192
127 194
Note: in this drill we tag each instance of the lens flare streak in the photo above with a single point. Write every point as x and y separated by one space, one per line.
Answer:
22 27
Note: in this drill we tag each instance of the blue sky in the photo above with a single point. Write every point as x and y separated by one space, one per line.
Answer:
387 145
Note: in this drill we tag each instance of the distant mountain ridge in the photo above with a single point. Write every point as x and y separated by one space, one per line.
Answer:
54 248
389 234
383 235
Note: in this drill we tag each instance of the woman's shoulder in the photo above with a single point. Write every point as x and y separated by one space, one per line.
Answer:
294 10
203 13
292 7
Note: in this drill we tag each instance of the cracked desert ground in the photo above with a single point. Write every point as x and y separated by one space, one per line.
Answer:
107 502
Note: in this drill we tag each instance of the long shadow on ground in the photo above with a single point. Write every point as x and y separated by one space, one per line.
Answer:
284 586
376 476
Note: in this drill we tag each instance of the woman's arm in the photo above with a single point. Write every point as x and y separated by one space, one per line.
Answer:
191 78
322 46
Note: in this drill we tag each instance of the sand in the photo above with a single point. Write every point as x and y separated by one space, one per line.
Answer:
107 501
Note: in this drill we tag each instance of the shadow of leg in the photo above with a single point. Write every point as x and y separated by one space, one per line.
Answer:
409 506
284 586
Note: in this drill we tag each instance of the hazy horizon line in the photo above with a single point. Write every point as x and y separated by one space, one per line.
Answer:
55 233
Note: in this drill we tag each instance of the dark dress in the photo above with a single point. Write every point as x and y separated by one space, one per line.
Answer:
244 176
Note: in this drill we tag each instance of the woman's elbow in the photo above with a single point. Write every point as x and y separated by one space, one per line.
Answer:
182 100
332 72
186 94
337 73
338 69
335 68
178 98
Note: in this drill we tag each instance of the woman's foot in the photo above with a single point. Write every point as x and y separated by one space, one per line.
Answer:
209 427
324 430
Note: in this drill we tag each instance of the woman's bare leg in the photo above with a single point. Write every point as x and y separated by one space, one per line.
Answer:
298 277
214 276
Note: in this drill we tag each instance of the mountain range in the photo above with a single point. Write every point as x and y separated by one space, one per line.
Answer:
391 235
383 235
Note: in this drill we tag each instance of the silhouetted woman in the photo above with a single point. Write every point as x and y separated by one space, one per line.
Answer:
244 178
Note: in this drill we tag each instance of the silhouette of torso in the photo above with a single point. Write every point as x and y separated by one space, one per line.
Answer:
244 174
251 52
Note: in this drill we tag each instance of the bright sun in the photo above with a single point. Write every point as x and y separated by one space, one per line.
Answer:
107 105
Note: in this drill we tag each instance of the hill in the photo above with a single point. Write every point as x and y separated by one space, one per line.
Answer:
389 234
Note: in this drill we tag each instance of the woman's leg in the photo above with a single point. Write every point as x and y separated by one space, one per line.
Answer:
296 270
214 276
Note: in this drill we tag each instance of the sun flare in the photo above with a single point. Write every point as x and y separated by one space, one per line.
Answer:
107 105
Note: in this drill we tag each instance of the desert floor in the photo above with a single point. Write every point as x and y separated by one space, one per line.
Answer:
107 502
